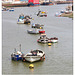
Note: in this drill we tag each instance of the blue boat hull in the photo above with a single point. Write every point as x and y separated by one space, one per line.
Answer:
16 58
11 10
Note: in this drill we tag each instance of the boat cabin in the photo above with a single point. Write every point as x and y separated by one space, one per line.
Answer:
34 53
43 36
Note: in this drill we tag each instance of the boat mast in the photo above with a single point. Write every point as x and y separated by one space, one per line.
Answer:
15 49
20 47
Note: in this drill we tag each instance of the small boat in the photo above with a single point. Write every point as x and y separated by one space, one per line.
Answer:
5 9
12 9
20 21
27 21
67 12
17 55
37 26
27 16
62 11
30 4
24 20
43 39
42 13
57 14
45 3
41 31
21 16
34 55
54 40
36 31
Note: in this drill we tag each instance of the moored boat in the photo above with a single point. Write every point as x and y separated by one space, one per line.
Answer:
34 55
45 3
54 40
27 21
21 16
12 9
43 39
24 20
41 31
35 31
17 55
57 14
42 13
39 26
20 21
30 4
67 12
4 9
27 16
62 11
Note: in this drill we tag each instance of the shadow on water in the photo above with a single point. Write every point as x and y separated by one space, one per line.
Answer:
41 44
33 34
46 45
26 64
55 45
36 64
15 63
24 24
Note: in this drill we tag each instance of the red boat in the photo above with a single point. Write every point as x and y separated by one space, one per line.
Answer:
43 31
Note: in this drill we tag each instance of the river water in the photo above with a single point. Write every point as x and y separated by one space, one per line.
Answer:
59 57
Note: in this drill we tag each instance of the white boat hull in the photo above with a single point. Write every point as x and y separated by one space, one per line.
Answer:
54 41
32 32
20 21
34 55
32 59
44 41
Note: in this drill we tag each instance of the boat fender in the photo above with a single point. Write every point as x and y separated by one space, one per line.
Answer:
45 15
32 18
23 59
44 57
37 40
49 44
40 28
41 58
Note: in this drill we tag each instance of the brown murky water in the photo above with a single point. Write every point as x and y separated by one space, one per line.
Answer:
58 56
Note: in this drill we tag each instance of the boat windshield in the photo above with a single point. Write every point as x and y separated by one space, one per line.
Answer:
21 17
43 36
